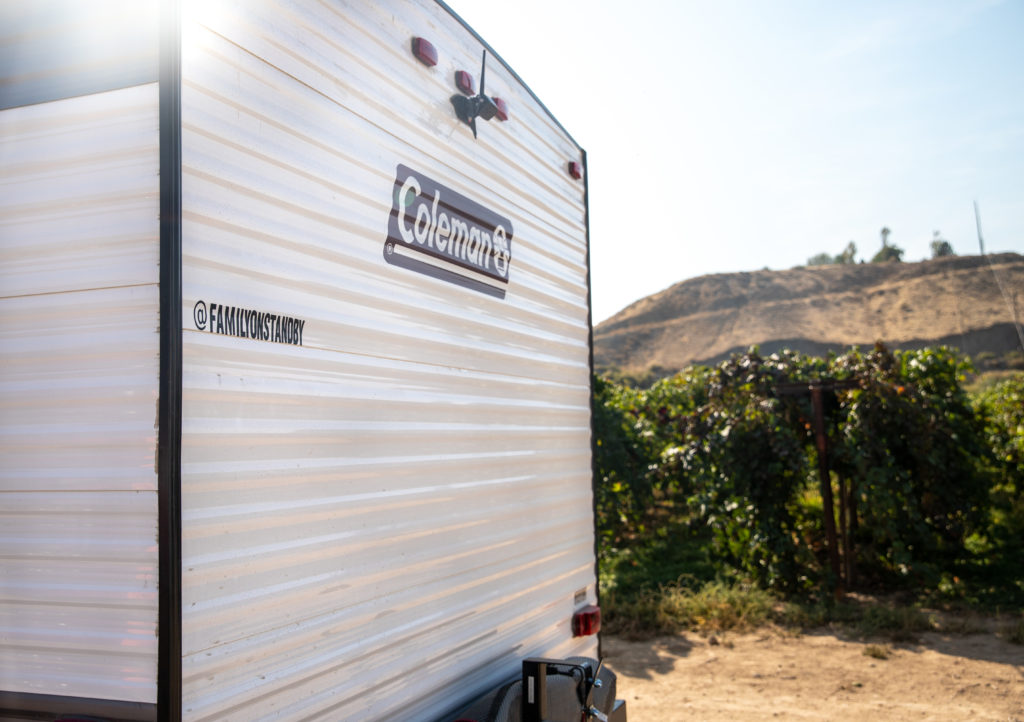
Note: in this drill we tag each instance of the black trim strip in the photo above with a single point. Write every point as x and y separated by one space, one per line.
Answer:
593 431
24 705
169 465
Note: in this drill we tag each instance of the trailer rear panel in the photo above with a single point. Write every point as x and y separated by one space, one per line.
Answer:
79 353
385 461
394 500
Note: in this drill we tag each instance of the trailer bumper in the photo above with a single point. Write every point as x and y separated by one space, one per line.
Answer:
618 713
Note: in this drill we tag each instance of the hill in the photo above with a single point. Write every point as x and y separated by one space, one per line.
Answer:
954 301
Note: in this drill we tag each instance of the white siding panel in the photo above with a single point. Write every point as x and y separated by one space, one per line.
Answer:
79 594
384 519
79 345
309 221
79 200
78 396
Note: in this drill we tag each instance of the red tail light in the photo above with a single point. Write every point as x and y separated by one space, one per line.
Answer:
464 82
502 108
586 621
424 51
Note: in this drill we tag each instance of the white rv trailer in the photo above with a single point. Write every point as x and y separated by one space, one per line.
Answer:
294 363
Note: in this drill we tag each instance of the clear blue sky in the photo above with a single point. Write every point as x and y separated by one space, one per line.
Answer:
733 135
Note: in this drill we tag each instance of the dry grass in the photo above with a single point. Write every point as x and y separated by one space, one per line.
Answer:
877 651
1014 632
715 607
808 309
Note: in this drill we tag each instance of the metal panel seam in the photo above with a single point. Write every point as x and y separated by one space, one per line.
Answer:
590 344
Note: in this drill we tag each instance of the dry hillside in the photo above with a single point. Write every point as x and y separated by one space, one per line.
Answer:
954 301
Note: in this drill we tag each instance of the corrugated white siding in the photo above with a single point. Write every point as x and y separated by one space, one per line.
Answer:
79 343
385 519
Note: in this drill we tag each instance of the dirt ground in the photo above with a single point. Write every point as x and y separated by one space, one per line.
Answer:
778 675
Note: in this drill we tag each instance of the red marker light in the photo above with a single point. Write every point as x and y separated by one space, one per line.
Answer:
464 82
424 51
502 108
575 169
586 621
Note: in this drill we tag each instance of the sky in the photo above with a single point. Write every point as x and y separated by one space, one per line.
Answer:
737 135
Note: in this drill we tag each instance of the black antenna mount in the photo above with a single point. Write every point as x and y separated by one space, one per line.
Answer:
478 106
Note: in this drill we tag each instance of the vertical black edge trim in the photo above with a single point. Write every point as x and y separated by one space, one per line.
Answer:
593 430
169 460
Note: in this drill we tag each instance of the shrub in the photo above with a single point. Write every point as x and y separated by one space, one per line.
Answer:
622 457
731 451
912 446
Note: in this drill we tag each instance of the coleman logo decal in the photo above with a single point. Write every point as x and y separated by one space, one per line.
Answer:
436 231
247 323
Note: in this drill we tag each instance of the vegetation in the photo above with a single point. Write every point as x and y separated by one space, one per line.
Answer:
887 253
824 259
995 367
712 512
940 247
1001 410
713 607
877 651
